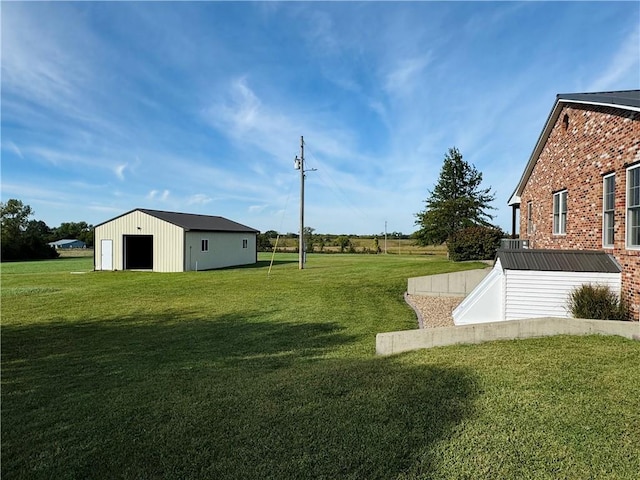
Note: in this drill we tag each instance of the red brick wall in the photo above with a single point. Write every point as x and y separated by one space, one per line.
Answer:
596 141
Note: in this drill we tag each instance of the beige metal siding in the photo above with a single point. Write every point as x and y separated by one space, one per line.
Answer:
225 250
532 294
168 240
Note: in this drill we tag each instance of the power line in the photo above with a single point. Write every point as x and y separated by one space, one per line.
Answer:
336 187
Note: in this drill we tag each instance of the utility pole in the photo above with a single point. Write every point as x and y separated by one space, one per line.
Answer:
298 163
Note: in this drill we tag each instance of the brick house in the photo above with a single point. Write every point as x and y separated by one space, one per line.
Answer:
580 189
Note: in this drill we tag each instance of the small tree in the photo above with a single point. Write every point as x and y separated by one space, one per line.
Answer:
376 245
309 238
343 242
456 202
263 243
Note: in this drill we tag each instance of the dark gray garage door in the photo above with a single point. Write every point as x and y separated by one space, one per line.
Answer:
138 252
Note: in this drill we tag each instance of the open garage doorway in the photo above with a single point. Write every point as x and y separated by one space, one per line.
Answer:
138 252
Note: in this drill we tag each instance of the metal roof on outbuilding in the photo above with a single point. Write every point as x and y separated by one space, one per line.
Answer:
558 261
66 241
193 222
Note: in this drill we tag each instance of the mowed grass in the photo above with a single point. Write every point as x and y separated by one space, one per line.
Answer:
234 374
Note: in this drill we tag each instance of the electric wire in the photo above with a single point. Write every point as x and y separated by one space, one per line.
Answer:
284 211
336 187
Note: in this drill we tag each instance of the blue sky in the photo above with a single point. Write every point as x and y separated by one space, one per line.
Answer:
199 107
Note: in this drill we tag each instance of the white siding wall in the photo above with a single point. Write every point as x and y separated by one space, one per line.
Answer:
225 250
485 302
168 240
533 294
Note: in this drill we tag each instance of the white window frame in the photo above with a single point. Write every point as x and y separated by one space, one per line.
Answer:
529 217
608 211
560 212
633 209
204 245
245 243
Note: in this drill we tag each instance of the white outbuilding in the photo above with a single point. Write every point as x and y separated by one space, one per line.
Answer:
160 241
535 283
67 244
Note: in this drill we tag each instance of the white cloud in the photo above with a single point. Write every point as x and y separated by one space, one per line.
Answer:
257 208
199 199
405 76
243 116
119 170
624 63
160 196
14 148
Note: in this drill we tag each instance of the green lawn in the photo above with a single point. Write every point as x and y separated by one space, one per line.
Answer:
235 374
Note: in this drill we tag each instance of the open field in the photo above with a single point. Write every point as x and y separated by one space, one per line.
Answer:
403 246
75 252
233 374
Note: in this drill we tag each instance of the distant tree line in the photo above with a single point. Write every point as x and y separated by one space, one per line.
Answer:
456 213
26 239
326 243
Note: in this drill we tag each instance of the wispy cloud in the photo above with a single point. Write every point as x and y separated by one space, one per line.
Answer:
162 196
14 148
243 116
111 106
199 199
119 170
406 75
257 208
624 62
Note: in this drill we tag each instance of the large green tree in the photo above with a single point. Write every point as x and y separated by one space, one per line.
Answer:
23 239
456 202
75 231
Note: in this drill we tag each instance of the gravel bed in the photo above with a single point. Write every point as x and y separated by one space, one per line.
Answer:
435 311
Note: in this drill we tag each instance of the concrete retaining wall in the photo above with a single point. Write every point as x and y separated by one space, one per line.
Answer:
457 284
404 341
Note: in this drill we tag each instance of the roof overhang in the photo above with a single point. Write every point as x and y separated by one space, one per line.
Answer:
625 100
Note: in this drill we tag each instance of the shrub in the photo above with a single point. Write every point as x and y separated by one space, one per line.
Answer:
474 243
598 302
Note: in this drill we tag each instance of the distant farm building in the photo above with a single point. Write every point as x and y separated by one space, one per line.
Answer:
162 241
67 244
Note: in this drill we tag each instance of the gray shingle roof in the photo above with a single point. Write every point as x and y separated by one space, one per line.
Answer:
190 221
625 98
558 261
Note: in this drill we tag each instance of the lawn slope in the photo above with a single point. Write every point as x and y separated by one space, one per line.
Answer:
238 374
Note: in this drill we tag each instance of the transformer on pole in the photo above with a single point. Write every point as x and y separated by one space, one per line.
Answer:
298 163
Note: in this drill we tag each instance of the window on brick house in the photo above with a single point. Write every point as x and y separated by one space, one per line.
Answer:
529 217
633 207
608 209
560 213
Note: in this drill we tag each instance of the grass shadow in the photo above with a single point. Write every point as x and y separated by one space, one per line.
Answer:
261 264
222 397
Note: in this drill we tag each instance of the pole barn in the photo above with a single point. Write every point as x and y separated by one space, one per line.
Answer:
160 241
